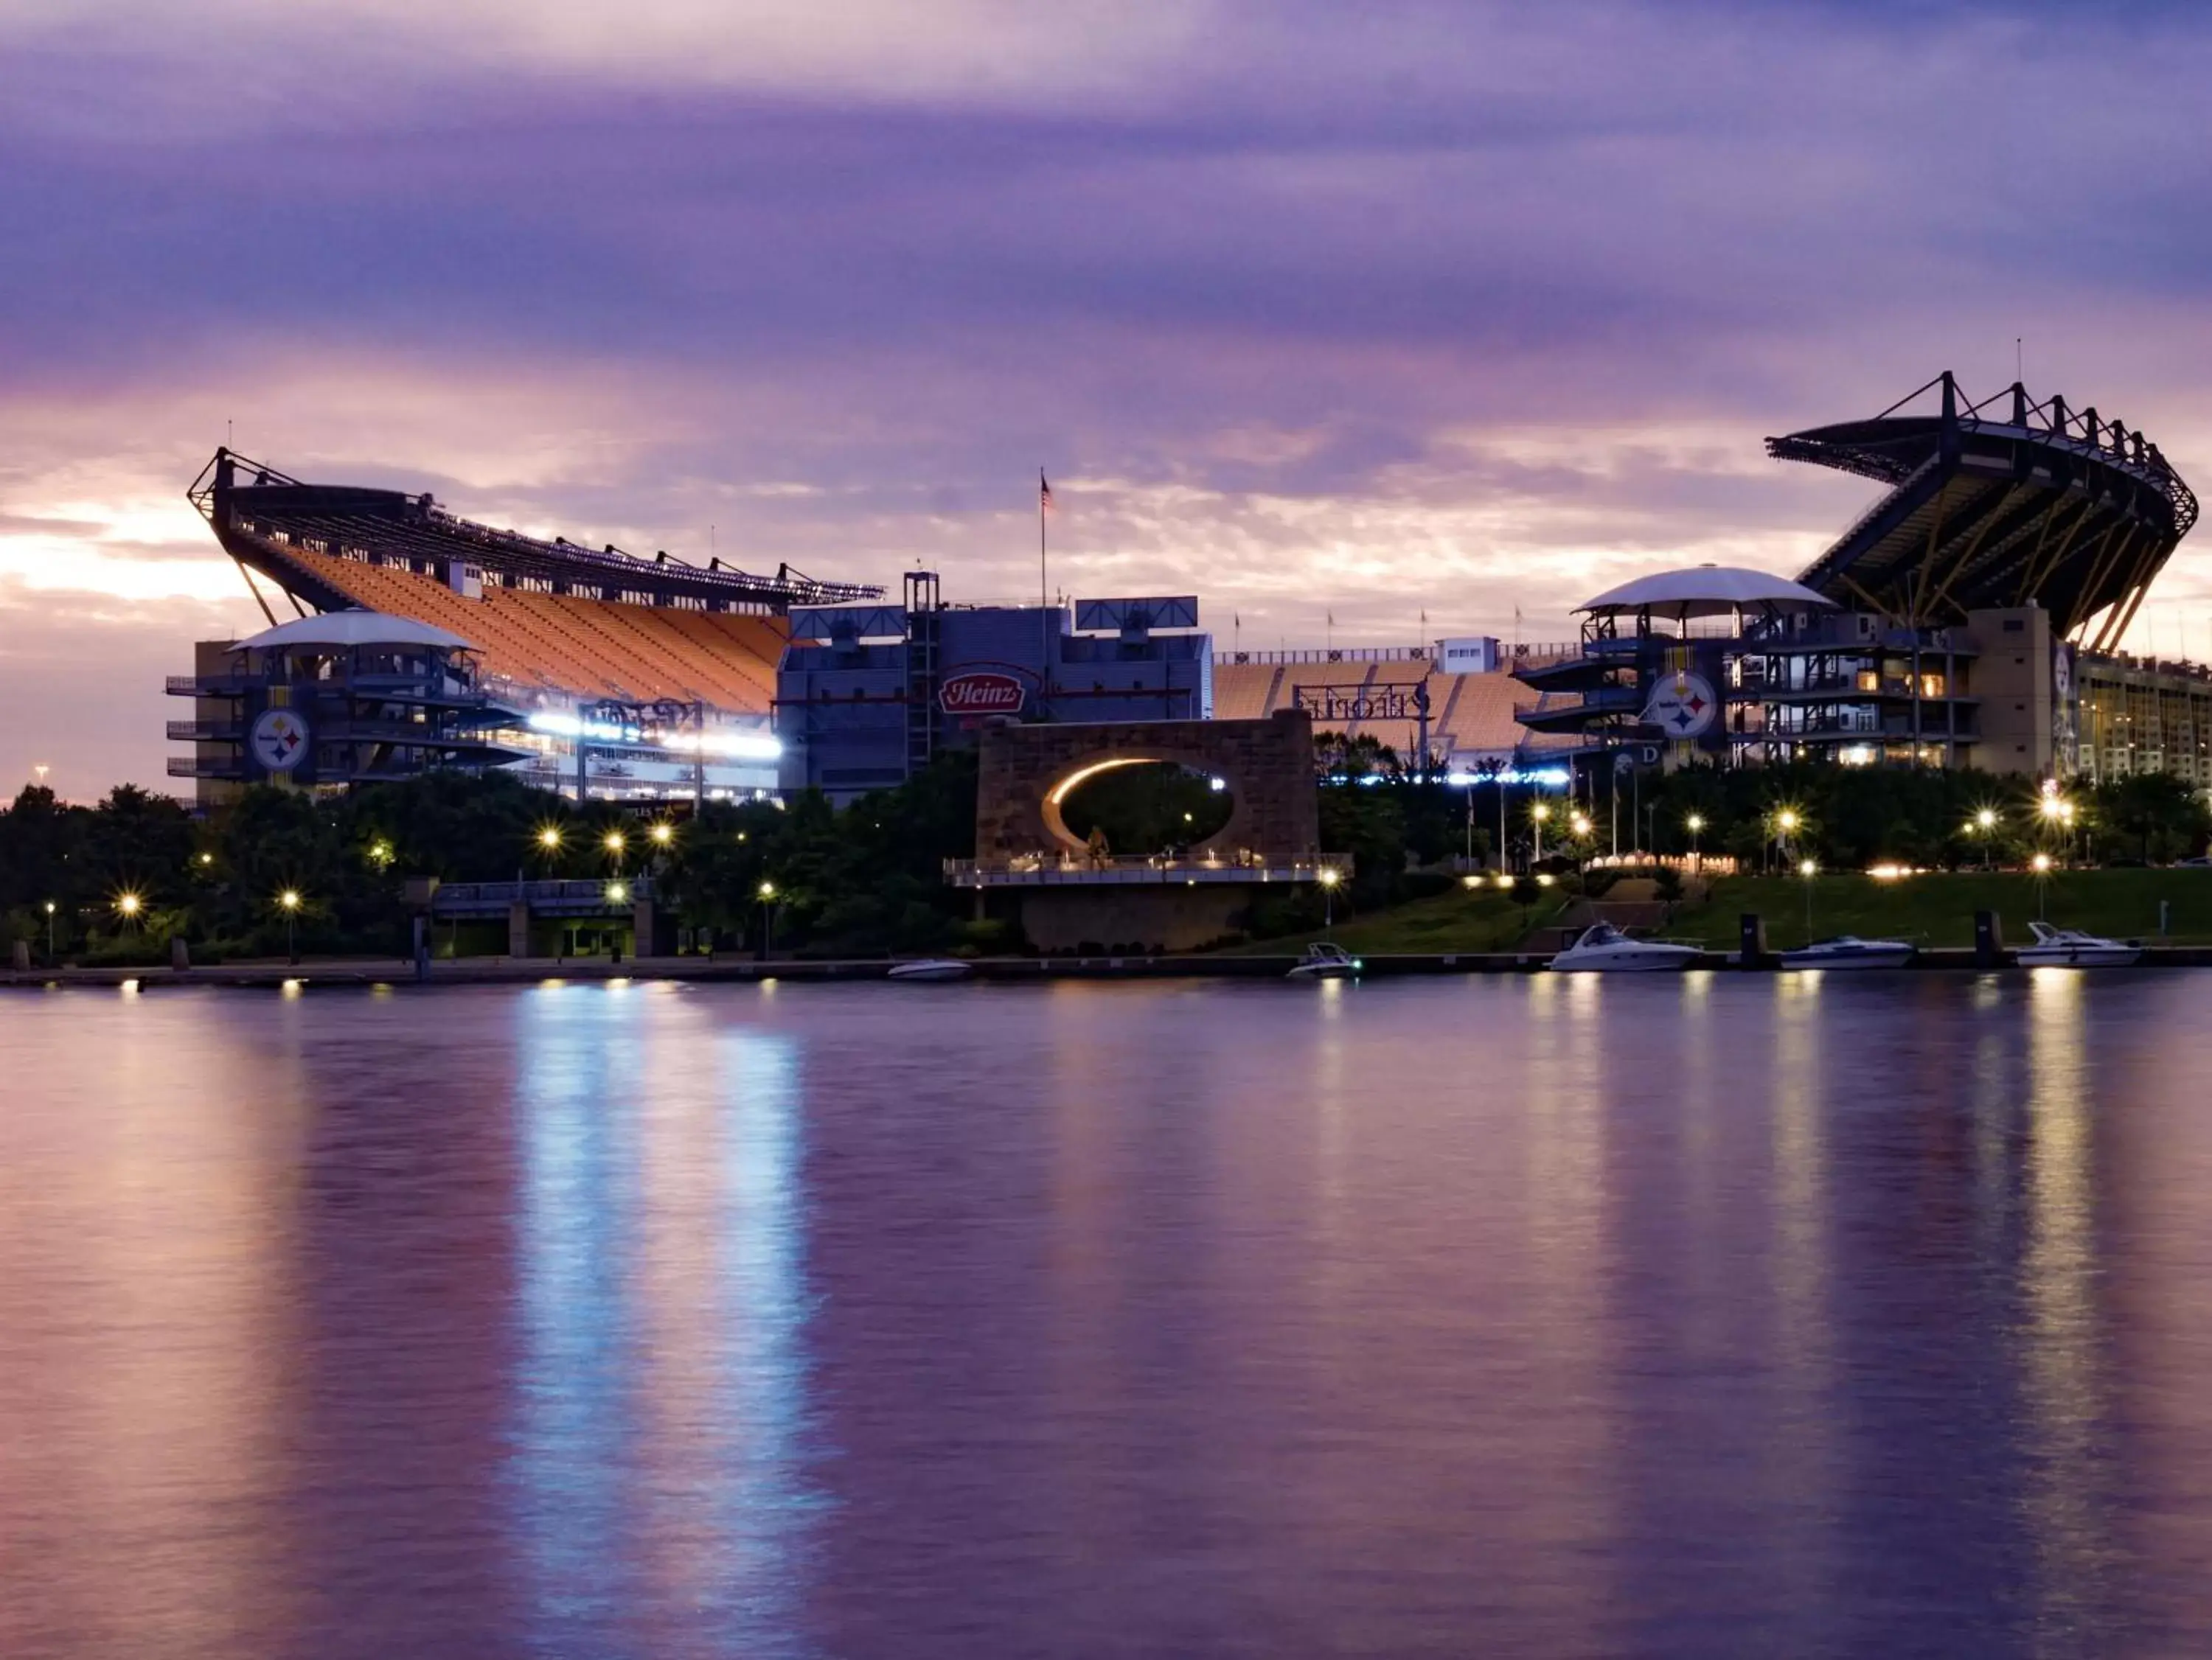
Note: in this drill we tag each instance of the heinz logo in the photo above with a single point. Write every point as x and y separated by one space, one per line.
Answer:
981 694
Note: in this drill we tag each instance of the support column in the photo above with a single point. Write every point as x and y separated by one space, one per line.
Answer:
517 929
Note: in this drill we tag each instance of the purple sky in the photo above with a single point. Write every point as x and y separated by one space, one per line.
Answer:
1374 310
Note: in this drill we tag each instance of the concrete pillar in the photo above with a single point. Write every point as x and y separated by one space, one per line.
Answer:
641 921
22 956
517 929
180 955
1751 949
1989 939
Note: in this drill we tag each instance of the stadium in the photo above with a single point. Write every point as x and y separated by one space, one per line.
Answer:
1969 617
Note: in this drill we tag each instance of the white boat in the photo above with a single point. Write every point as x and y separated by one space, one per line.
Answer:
2070 947
932 968
1603 948
1325 961
1849 951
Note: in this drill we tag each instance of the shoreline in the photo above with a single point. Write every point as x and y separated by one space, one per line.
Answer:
393 972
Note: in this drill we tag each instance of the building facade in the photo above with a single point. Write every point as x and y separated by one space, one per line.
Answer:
868 694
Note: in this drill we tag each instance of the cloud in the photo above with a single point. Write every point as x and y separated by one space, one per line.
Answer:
1310 309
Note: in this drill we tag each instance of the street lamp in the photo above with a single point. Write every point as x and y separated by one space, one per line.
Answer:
289 900
1538 812
380 853
1694 824
662 834
549 839
767 892
616 843
129 905
50 933
1328 877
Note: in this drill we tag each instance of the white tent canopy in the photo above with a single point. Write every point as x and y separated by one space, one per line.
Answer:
350 628
1708 590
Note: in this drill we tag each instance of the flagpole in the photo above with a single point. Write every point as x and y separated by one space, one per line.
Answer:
1044 601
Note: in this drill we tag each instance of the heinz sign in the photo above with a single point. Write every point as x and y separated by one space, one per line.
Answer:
980 692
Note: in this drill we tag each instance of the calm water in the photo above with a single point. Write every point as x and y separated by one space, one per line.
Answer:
1724 1316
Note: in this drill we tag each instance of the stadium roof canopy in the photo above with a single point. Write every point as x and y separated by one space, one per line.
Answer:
260 517
353 628
1707 591
2001 503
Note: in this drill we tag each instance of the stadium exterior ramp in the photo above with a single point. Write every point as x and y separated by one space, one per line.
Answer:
2000 504
584 641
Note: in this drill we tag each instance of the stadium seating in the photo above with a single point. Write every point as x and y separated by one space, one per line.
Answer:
1467 712
586 646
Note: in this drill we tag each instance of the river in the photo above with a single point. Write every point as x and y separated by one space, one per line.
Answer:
1703 1316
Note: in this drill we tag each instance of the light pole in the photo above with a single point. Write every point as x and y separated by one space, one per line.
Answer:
289 900
50 933
2041 863
1538 812
1694 824
617 844
1580 825
1808 869
1786 825
1328 879
1985 823
767 920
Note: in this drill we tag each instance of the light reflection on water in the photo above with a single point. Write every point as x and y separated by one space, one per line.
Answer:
1791 1314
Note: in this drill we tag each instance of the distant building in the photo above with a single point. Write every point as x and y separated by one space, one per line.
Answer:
323 703
867 695
628 677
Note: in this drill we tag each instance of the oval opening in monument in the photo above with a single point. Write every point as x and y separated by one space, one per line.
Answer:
1147 807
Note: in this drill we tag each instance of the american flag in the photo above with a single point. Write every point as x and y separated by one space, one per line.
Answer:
1044 492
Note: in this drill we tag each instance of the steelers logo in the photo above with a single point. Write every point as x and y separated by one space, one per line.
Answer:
279 740
1681 705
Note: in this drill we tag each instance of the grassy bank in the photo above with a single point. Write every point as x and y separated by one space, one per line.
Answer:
1939 910
1935 910
1483 920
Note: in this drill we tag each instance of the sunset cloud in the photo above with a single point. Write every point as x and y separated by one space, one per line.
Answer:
1309 309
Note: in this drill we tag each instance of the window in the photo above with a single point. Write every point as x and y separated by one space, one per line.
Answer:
2014 626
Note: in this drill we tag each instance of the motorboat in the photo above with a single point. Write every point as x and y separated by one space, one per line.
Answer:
1603 948
1325 961
1849 951
2070 947
932 968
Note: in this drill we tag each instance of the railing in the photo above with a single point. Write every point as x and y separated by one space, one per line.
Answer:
605 896
1045 870
216 730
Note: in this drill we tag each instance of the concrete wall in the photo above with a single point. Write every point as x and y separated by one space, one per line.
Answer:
2013 679
1268 765
1169 917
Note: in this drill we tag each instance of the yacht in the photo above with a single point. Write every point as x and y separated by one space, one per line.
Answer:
932 968
1325 961
1849 951
2070 947
1604 948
